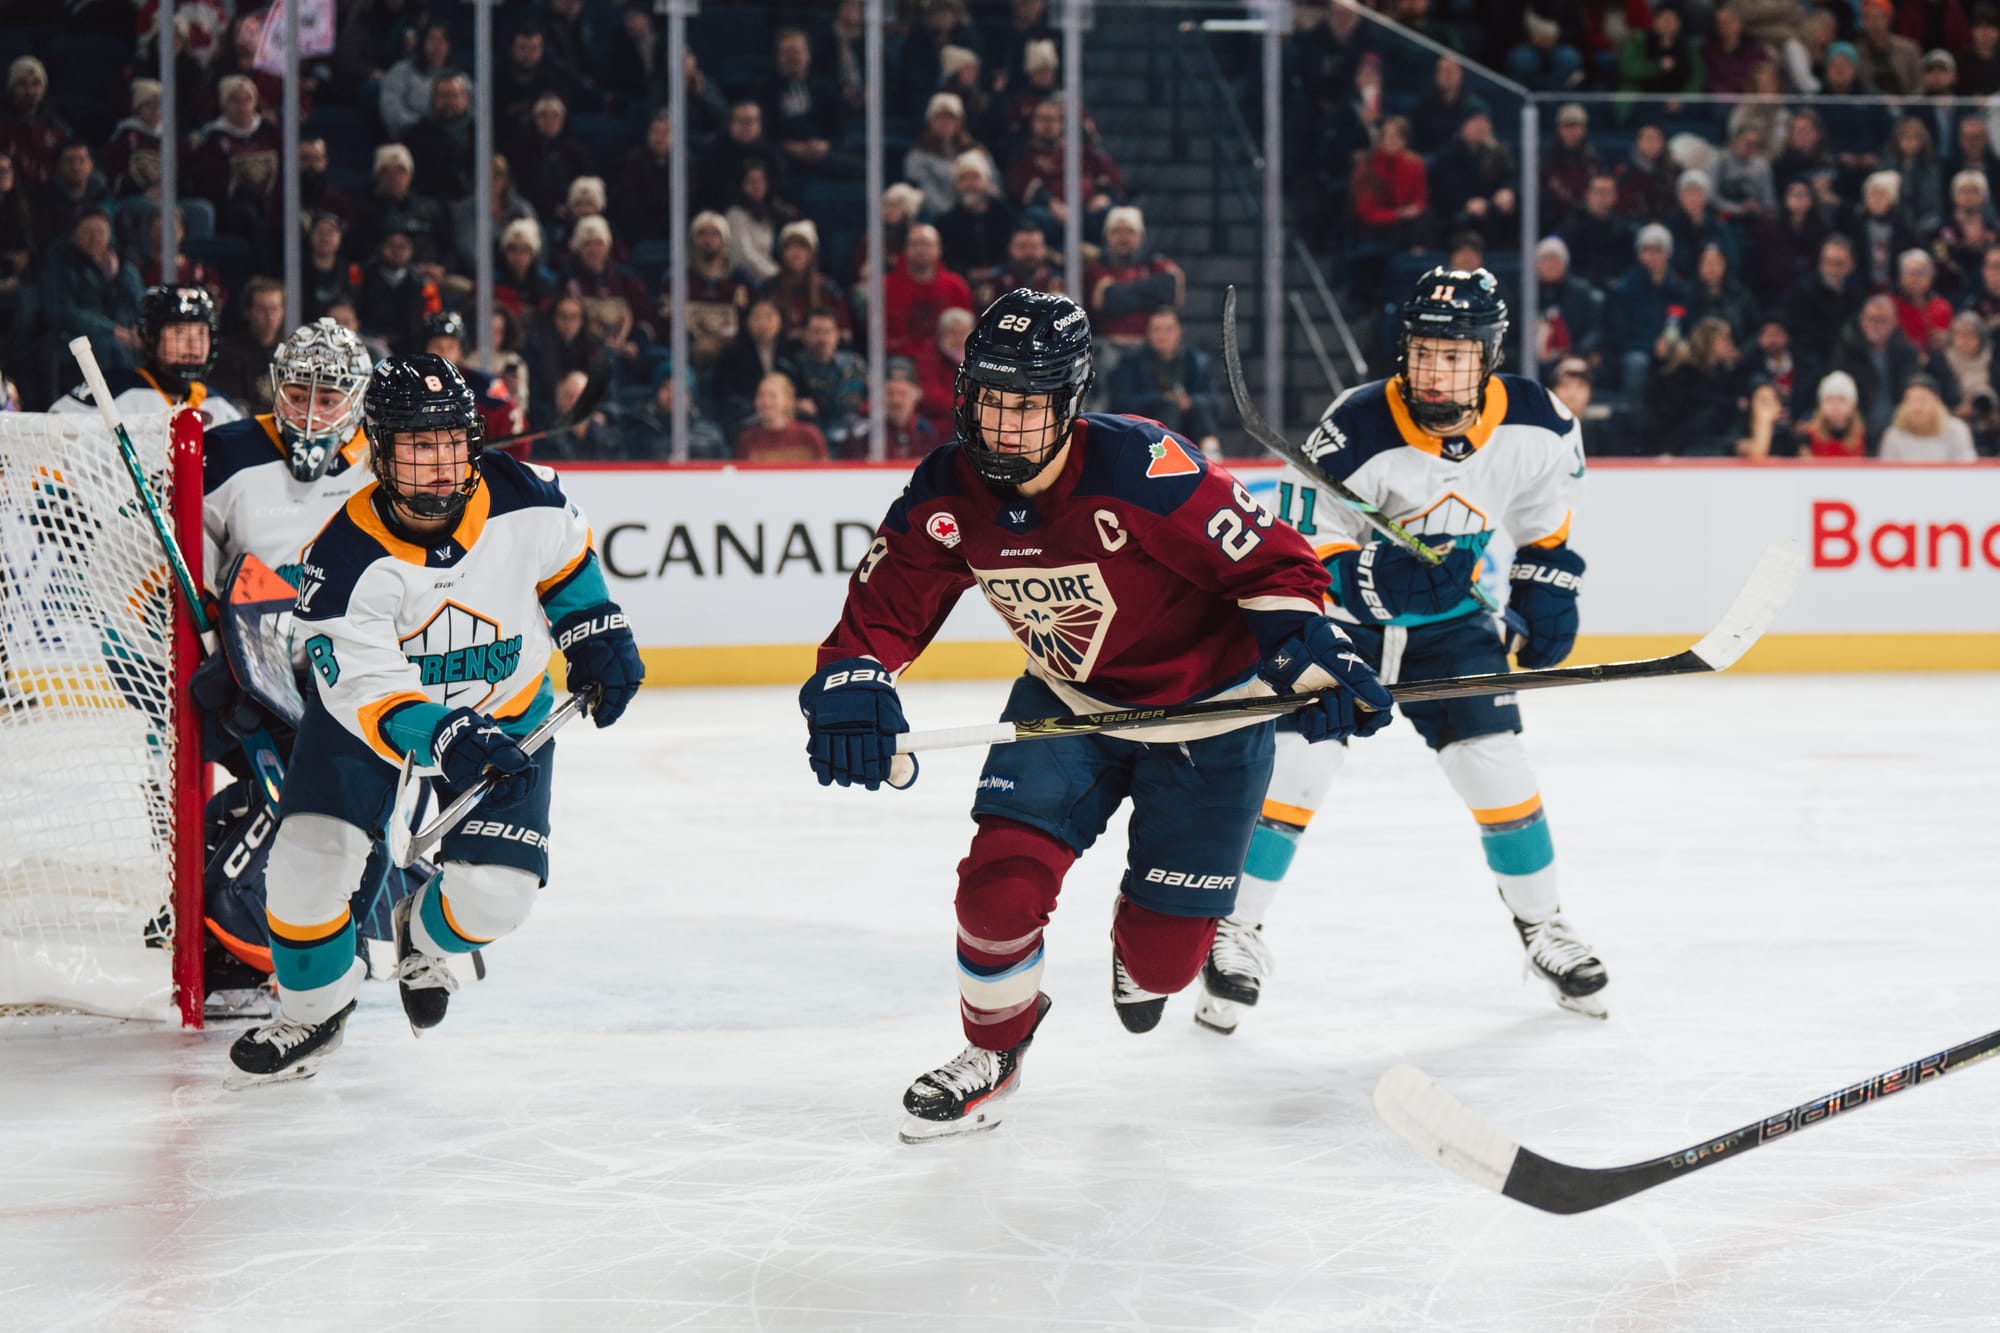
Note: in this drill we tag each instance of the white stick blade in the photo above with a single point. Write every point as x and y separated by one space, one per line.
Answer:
1438 1126
1769 587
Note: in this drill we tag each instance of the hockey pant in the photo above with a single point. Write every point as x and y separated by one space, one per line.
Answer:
337 793
1042 803
1477 742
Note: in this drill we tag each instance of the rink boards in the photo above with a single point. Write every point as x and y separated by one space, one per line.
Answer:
732 573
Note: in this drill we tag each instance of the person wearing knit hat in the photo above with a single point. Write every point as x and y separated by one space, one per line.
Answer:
718 292
130 160
1640 307
37 133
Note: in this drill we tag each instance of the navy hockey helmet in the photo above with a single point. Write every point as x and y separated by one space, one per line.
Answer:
1456 305
163 307
421 394
445 324
1027 342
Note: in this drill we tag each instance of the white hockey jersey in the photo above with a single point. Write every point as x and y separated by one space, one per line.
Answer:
398 634
252 504
1519 469
136 393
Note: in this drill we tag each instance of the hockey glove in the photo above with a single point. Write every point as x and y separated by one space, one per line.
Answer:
852 718
1546 581
215 691
599 648
468 746
1383 581
1322 658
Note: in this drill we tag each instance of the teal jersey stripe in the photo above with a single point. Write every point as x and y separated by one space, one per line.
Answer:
582 591
1271 853
303 967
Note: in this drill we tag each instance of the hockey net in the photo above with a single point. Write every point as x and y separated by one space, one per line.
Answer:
101 782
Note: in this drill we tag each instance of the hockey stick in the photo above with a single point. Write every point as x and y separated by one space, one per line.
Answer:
406 846
1440 1127
1755 607
586 402
1260 430
258 746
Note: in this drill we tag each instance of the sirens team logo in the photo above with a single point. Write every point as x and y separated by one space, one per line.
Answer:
945 528
1061 616
462 651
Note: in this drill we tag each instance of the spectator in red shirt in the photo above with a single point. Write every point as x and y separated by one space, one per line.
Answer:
130 159
1129 283
937 371
775 436
1035 175
614 297
32 134
1923 315
915 295
1391 198
235 165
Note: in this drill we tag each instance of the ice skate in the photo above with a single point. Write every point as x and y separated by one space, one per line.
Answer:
284 1051
1139 1010
1557 956
1233 974
426 983
964 1095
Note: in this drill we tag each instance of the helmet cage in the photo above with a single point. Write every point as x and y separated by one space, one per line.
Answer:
1452 305
164 307
1025 343
321 355
443 404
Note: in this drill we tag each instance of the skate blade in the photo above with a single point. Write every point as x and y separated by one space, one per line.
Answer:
1590 1006
242 1081
918 1130
1218 1015
223 1006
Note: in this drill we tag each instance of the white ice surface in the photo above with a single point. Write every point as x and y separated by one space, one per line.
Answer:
674 1102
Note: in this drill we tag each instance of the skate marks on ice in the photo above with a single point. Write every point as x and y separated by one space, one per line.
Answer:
646 1120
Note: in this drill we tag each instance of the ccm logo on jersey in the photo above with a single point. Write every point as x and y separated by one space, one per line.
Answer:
1526 572
583 629
1187 879
493 828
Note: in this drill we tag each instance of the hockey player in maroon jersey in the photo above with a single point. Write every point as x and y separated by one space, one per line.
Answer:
1134 573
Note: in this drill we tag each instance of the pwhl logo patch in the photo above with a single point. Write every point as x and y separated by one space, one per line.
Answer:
462 651
1061 615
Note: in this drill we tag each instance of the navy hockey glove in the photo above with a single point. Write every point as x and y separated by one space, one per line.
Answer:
1320 656
1383 581
852 718
215 691
601 653
1546 581
468 746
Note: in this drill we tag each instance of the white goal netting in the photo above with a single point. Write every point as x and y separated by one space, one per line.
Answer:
89 815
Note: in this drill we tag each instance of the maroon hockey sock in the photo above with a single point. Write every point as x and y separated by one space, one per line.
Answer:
1162 953
1007 886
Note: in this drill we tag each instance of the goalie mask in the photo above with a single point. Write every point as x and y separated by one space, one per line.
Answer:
1029 354
1449 347
179 331
317 375
424 434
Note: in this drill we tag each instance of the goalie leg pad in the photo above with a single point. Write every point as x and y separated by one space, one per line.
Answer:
315 861
1007 887
465 907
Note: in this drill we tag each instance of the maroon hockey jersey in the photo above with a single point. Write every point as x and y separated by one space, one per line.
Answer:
1145 576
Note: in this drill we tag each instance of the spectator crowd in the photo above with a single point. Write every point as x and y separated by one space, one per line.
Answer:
1812 274
775 253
